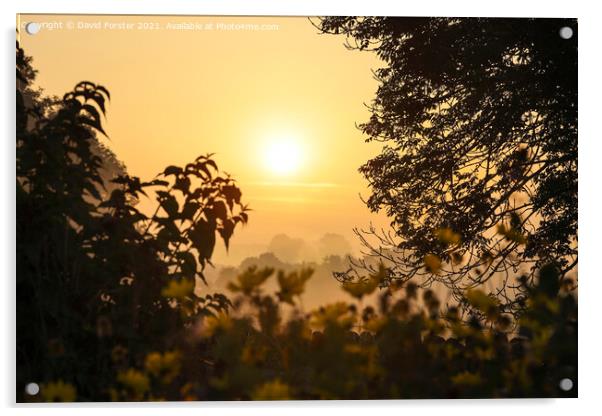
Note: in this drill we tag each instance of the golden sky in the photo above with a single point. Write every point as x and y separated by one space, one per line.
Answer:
278 105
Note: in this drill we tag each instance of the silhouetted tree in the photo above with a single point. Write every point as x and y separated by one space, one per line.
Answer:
479 166
100 284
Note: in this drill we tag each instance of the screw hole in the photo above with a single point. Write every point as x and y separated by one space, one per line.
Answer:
566 384
32 389
32 28
565 32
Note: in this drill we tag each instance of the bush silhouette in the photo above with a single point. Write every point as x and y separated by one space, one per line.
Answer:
96 278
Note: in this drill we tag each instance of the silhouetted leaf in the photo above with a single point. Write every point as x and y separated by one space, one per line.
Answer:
219 210
170 205
172 170
226 231
189 210
202 236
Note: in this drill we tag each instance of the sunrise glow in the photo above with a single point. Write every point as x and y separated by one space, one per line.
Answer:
283 156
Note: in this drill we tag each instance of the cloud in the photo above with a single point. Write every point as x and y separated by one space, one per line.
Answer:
297 184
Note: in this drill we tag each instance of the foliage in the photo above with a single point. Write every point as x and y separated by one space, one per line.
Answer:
402 350
100 283
108 307
478 117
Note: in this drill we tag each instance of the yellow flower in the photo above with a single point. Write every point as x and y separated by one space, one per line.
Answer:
511 234
366 286
448 236
273 390
165 365
187 392
292 284
171 359
153 363
484 303
119 354
466 379
376 324
58 391
135 381
360 289
252 354
178 289
210 325
432 263
250 280
334 314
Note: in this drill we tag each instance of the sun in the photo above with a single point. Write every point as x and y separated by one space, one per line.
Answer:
283 156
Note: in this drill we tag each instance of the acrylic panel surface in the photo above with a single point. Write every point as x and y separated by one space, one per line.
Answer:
273 208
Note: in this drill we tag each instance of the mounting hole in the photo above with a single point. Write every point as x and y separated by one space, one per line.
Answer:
566 384
565 32
32 28
32 389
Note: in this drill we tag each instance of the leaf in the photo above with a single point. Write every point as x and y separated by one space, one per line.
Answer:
92 111
91 188
104 90
232 194
189 210
212 163
220 211
169 232
170 205
172 170
156 182
182 184
92 123
226 231
202 236
188 263
202 167
549 280
116 200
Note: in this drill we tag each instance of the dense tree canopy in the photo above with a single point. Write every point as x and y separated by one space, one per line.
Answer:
479 165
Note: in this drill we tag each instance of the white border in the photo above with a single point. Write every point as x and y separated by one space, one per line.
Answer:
590 154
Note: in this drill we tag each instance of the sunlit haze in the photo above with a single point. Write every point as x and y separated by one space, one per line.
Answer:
278 108
284 156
